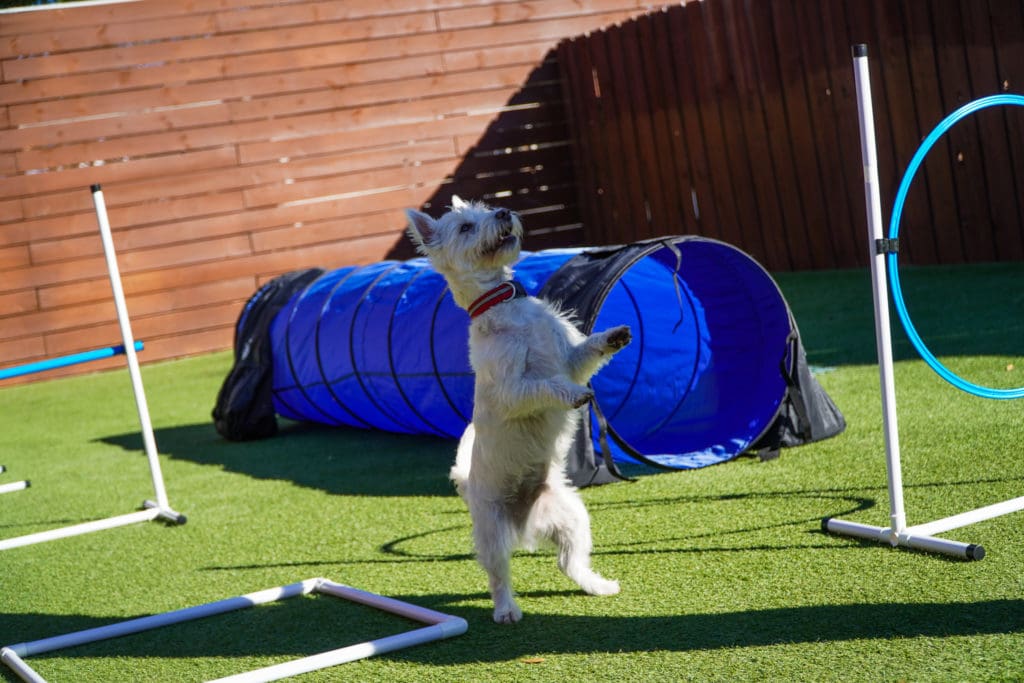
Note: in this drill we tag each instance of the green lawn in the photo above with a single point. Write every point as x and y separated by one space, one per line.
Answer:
725 573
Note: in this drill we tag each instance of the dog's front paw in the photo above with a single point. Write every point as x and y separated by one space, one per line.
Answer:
617 338
582 398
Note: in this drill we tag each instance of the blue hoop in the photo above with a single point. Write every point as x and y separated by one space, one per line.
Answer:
894 232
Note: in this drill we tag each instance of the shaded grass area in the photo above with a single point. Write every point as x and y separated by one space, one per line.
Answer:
725 573
959 312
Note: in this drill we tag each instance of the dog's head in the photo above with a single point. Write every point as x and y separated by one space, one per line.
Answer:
469 238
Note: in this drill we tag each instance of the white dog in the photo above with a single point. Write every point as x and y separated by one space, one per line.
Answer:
531 366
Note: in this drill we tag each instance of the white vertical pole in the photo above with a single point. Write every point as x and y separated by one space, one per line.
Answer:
880 288
129 349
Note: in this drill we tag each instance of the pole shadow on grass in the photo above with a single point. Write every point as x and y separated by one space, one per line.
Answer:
320 623
332 459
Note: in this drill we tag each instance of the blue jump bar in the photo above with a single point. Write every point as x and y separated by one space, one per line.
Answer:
64 361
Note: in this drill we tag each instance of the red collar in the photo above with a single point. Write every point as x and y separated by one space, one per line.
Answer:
506 291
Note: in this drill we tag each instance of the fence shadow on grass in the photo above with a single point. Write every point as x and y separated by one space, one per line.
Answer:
331 459
321 624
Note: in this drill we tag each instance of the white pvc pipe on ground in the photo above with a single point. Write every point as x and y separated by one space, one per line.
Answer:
966 518
18 666
149 623
347 654
14 486
404 609
79 529
440 626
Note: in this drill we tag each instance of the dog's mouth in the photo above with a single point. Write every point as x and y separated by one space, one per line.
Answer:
507 239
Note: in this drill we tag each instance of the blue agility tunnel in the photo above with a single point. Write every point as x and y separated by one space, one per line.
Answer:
715 368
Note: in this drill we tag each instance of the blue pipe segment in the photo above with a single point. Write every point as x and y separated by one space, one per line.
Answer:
64 361
892 257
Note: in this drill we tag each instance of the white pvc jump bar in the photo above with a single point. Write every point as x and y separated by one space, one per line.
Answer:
161 507
439 626
922 536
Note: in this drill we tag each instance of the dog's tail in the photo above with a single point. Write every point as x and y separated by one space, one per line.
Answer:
459 474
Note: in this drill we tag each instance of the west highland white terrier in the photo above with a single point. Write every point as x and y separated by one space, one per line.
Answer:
531 366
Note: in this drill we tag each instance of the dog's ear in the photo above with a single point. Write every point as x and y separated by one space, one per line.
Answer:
422 228
458 202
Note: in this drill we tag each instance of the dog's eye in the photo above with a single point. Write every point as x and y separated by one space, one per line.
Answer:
466 227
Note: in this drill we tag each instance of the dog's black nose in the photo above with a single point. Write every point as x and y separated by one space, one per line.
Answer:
502 214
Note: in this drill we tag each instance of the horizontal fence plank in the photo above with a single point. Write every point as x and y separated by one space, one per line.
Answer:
335 78
193 46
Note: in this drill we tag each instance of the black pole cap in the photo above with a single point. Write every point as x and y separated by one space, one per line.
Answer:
94 188
860 50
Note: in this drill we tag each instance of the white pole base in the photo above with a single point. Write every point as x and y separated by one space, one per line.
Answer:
970 517
151 512
908 538
164 512
14 486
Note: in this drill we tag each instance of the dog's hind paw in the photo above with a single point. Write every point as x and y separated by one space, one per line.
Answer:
508 614
600 586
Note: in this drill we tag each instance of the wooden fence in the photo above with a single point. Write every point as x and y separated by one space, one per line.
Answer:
737 119
239 139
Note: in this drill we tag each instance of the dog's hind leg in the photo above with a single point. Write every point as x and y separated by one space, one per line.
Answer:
559 514
494 539
459 473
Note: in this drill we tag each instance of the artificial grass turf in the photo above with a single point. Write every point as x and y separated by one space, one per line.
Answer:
725 573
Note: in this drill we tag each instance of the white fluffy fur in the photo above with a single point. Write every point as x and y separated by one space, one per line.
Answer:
531 366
